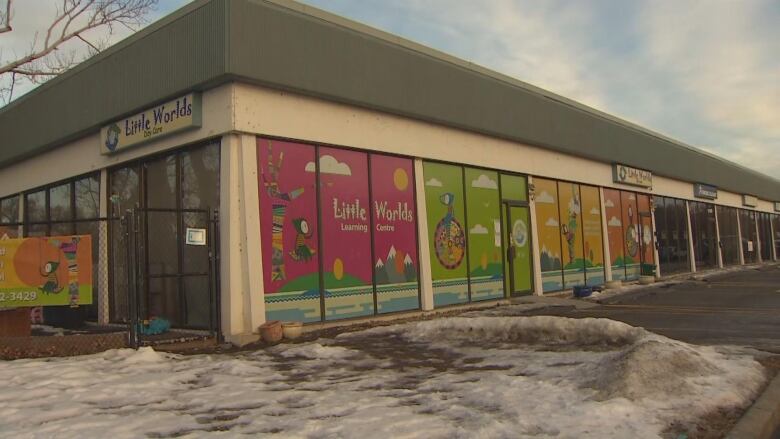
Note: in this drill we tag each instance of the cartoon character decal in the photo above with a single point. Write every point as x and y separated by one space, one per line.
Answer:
302 251
450 238
70 249
52 284
569 230
632 234
280 202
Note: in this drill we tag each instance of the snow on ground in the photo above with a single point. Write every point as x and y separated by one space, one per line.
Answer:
453 377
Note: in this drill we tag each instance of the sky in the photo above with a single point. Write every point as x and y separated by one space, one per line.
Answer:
706 73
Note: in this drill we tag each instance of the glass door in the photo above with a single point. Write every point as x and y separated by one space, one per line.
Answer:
518 249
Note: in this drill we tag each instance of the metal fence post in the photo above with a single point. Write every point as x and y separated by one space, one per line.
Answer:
130 230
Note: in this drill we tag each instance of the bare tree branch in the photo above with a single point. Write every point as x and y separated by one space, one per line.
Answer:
74 18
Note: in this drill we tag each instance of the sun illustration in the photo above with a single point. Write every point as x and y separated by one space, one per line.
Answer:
338 269
401 179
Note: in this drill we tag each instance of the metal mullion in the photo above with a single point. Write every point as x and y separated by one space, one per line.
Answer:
560 238
371 233
503 238
179 245
466 230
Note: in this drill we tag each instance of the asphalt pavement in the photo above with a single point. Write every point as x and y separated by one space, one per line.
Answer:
737 307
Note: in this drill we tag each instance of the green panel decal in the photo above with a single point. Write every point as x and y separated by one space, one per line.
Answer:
483 210
444 202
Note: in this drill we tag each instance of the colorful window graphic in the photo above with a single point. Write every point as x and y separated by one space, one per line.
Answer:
593 235
630 218
483 218
329 238
445 204
288 229
346 241
548 228
394 233
615 233
570 208
645 229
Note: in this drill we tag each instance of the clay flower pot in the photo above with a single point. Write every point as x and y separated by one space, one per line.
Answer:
271 331
292 330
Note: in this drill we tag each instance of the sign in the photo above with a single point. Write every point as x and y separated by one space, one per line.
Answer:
632 176
196 236
777 206
749 201
171 117
701 190
46 271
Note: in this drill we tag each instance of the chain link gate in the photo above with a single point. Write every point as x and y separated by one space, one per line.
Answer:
172 275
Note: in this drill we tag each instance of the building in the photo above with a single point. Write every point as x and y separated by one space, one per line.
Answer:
335 171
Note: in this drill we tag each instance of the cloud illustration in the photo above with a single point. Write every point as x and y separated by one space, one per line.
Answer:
614 222
551 222
484 182
545 198
433 183
609 203
329 165
478 229
594 211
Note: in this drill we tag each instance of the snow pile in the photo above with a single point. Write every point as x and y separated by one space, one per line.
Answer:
456 377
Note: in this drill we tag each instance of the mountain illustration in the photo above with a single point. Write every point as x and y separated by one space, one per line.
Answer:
394 269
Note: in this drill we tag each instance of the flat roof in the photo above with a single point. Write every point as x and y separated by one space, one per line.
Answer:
286 45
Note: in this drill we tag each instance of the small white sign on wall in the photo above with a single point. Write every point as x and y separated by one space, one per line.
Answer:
196 236
750 246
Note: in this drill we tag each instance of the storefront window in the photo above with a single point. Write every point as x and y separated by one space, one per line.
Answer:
704 234
548 228
9 217
354 255
593 235
570 214
445 204
516 217
346 240
394 233
615 233
671 222
765 236
729 234
747 224
289 230
483 221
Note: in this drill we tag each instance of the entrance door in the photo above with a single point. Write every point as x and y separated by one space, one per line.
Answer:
518 249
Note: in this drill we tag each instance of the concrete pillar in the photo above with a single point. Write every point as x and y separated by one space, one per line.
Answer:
254 301
739 240
535 250
757 246
235 314
656 256
102 267
773 231
605 238
426 277
691 251
717 237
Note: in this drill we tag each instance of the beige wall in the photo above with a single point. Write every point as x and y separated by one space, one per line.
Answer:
83 155
270 112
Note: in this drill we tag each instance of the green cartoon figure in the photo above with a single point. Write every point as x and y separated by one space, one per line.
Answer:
52 285
303 232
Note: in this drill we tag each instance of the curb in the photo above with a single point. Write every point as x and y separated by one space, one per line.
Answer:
762 419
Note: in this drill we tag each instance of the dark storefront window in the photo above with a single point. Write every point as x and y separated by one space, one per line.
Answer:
175 191
765 236
704 234
671 223
9 217
729 234
747 225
